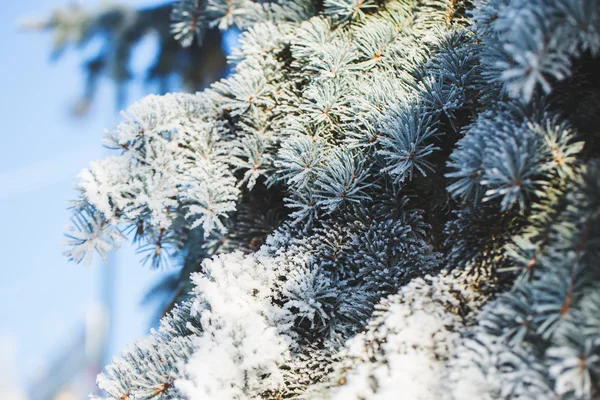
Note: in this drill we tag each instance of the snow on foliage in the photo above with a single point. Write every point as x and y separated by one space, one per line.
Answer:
240 348
407 344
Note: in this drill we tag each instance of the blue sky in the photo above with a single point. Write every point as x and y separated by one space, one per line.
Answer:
43 297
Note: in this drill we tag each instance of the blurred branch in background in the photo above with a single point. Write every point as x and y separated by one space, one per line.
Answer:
119 28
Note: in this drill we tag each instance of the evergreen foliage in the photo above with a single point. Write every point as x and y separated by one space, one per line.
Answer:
386 199
120 28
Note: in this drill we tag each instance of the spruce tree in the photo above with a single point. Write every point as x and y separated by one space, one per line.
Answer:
386 199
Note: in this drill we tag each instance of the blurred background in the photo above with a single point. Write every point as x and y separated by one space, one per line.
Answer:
63 76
